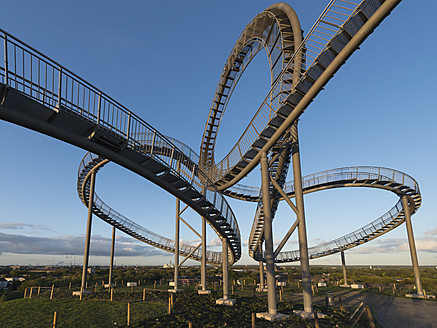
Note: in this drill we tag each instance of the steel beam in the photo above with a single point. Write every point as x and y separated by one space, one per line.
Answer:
268 236
88 233
303 244
111 264
412 245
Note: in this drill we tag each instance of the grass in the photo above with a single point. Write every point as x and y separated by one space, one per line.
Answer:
75 313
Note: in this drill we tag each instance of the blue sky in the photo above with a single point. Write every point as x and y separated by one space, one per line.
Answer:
163 60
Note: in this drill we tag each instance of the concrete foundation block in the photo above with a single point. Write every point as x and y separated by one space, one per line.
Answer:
415 295
271 317
175 290
308 315
229 301
203 292
85 292
261 290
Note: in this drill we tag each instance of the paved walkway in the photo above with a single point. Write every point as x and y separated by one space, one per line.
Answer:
393 312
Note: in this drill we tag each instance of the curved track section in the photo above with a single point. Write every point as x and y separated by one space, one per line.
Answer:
277 31
361 176
103 211
339 31
38 93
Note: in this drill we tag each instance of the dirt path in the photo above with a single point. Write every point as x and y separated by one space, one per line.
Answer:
393 312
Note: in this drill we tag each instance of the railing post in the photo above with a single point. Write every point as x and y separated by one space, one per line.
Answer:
98 108
59 87
153 142
128 126
6 59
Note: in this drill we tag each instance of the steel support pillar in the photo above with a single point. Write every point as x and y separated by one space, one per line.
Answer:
343 263
303 244
88 231
412 245
176 245
268 236
111 263
203 264
225 300
225 269
261 269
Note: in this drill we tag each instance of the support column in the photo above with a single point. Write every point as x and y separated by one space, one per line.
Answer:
111 264
268 236
176 245
88 232
261 270
343 263
272 314
303 244
225 299
412 245
176 241
225 269
203 263
261 275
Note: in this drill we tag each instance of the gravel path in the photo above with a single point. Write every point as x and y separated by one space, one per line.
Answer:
393 312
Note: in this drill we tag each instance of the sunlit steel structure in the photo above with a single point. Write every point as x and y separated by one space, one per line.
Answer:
38 93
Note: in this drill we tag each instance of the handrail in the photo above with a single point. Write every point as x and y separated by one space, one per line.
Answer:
252 192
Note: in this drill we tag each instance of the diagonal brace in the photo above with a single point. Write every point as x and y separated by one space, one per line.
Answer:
286 237
284 195
189 254
192 229
180 213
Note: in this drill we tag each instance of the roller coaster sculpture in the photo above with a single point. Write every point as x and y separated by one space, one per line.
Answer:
40 94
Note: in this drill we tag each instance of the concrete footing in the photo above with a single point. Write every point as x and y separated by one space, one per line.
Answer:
175 290
308 315
203 292
345 286
415 295
271 317
85 292
229 301
108 285
261 289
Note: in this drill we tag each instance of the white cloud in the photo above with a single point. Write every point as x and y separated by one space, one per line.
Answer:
394 245
215 242
19 226
72 245
432 232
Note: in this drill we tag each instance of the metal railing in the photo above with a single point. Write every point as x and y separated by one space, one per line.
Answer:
332 175
40 78
327 26
360 175
388 221
105 212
